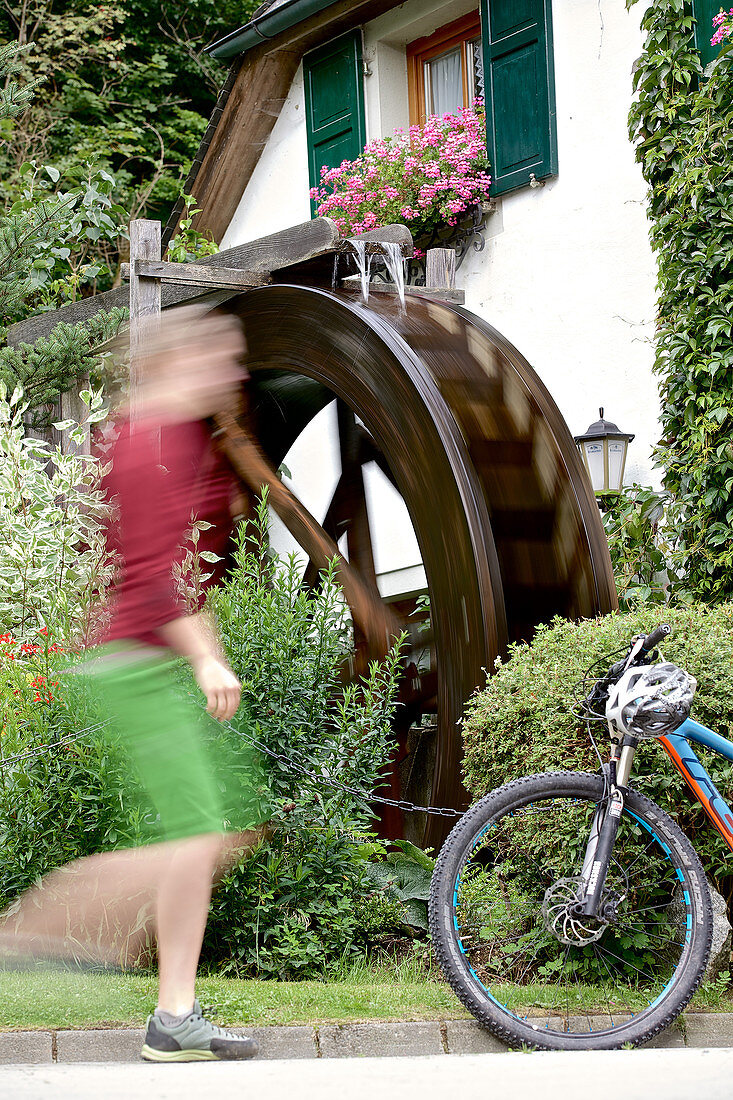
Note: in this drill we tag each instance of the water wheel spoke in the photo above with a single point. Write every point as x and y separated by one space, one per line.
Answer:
373 618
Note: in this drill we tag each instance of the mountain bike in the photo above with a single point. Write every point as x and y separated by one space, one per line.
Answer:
570 912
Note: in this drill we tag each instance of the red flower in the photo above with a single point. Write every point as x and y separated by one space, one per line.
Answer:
43 630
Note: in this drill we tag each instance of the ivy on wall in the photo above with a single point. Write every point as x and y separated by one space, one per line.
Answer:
682 124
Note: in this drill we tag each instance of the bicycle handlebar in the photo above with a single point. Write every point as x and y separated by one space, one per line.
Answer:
596 698
657 635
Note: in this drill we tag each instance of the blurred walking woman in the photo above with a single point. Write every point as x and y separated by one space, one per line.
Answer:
164 469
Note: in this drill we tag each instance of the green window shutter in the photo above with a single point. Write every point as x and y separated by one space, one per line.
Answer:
519 82
334 104
703 11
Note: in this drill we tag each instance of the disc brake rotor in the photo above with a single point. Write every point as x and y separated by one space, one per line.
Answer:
562 922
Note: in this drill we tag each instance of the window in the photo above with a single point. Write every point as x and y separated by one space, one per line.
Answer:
334 104
445 70
521 129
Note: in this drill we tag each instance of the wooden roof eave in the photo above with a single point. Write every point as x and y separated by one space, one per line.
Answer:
248 107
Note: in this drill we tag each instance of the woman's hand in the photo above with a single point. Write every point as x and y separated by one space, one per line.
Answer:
221 687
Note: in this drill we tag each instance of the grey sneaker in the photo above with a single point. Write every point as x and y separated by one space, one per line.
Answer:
196 1039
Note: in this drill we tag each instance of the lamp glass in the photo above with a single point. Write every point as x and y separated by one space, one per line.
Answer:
616 459
594 458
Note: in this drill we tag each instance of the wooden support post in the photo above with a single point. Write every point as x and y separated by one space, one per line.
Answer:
144 294
440 268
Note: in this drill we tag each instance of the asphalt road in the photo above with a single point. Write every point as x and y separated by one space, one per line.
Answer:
620 1075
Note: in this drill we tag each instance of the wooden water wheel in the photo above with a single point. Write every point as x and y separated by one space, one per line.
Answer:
504 516
505 520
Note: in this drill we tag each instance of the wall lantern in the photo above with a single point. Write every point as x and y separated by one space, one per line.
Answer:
603 449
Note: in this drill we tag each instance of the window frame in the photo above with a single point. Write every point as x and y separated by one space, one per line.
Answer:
458 33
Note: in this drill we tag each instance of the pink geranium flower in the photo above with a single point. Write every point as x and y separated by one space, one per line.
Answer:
723 22
426 177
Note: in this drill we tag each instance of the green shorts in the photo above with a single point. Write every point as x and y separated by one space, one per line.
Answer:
199 776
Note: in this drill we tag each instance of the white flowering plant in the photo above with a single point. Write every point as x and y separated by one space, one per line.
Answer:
54 563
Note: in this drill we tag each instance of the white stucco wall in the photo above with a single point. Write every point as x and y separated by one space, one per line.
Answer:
567 273
277 194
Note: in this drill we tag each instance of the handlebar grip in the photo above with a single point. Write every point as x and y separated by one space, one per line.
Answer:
657 635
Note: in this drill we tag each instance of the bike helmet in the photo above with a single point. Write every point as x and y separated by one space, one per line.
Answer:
650 700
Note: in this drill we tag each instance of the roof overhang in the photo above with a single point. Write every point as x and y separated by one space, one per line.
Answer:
270 24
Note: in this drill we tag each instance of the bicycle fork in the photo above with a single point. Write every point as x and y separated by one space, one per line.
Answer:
606 821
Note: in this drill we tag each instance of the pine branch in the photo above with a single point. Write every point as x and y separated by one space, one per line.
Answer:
51 365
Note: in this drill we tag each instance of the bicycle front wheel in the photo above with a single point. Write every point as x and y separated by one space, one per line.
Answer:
509 939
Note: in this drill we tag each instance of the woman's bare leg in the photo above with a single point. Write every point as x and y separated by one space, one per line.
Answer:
183 901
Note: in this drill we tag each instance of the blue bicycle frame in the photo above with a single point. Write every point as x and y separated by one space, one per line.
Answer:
678 748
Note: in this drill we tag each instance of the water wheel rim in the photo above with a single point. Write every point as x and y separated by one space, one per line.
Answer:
363 360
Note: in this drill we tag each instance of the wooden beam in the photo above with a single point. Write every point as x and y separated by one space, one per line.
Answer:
439 293
196 275
254 104
289 246
440 268
252 109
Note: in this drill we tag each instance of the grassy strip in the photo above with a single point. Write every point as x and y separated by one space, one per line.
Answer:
57 999
62 999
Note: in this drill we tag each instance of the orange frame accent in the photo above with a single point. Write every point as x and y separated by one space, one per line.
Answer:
702 796
457 33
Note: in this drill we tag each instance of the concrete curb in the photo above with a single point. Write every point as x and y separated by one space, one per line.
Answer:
365 1040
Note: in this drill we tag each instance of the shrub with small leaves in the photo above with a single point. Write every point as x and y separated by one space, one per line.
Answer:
292 909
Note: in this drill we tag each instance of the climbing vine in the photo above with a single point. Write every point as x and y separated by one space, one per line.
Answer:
682 123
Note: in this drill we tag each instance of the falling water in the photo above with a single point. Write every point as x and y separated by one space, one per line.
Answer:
391 254
363 264
395 266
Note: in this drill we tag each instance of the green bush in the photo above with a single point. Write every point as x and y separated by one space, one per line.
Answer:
523 721
292 909
61 795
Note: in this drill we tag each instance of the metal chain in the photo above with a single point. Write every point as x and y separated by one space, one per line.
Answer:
397 803
40 749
